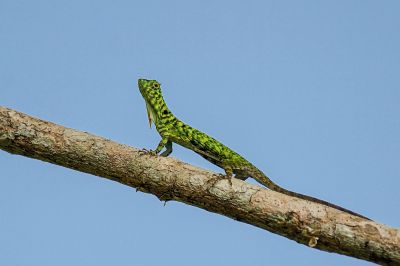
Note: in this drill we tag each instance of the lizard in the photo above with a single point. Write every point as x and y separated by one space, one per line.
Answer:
173 130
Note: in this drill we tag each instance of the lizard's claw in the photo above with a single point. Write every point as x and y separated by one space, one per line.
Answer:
146 151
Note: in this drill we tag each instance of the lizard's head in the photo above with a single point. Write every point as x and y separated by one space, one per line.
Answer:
150 89
151 92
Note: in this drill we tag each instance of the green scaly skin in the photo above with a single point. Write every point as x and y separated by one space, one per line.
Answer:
172 130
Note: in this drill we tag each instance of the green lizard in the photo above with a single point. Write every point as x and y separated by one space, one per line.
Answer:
172 130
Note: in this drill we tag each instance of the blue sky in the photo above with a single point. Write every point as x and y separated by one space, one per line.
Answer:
306 90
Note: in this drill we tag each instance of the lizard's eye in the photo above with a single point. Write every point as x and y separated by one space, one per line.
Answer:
156 85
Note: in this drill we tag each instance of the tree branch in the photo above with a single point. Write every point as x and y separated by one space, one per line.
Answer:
306 222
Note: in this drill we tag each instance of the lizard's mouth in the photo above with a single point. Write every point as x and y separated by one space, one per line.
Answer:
149 110
140 85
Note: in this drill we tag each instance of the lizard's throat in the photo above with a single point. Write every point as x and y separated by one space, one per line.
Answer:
151 114
156 113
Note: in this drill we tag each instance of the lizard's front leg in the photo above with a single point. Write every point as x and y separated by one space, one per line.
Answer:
164 142
161 145
168 150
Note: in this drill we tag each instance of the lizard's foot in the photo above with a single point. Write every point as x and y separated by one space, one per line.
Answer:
146 151
228 177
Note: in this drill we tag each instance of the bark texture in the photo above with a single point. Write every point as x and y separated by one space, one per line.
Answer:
308 223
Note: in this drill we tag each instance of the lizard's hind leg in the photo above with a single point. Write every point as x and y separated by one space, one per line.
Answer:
241 176
228 173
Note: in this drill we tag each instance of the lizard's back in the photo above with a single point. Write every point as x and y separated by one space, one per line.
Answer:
206 146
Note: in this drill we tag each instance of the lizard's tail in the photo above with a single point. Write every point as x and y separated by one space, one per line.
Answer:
261 178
